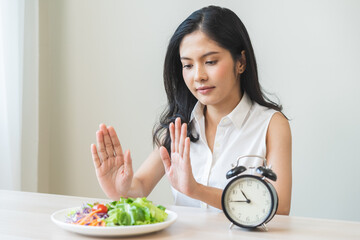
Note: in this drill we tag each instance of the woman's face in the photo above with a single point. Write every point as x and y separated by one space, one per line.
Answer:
209 71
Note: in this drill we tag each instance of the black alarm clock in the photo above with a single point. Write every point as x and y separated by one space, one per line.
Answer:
250 200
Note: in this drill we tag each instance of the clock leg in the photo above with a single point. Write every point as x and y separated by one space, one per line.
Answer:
231 225
264 227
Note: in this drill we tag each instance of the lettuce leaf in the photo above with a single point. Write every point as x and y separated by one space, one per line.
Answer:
134 211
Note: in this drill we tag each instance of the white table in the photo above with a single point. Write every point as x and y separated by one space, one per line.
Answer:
26 215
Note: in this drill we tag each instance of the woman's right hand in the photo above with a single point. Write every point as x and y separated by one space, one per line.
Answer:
113 167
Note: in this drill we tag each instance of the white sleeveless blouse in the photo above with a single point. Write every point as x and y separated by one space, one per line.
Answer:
242 132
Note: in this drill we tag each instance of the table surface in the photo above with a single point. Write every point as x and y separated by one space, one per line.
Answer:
26 215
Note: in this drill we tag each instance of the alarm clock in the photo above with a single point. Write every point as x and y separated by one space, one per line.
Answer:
250 200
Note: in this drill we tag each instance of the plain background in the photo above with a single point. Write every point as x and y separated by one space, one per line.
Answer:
101 62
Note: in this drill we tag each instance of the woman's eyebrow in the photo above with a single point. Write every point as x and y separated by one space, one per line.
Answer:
203 56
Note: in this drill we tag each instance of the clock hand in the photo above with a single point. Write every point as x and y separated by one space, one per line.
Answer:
247 200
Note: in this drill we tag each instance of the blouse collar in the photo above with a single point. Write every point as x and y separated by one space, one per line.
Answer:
237 116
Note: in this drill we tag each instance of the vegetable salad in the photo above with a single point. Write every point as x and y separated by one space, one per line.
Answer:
125 212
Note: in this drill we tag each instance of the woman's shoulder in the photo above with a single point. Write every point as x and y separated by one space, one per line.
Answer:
279 126
259 111
279 118
268 116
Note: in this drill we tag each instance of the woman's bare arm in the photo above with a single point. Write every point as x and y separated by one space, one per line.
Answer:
278 142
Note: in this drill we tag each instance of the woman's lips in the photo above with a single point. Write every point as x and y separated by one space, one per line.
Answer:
204 90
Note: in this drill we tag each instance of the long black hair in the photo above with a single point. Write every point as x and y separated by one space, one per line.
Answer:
225 28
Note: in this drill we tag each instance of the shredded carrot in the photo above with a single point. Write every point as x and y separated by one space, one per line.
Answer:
87 218
91 219
93 223
96 222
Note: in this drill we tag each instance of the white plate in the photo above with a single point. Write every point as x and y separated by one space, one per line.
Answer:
59 219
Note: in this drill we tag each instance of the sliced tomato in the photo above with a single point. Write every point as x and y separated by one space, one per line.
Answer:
101 207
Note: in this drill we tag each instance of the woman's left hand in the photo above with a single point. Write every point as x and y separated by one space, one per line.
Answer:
177 163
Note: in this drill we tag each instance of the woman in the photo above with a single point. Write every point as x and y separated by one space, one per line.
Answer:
216 112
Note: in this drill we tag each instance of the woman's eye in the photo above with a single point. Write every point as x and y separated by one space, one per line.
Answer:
211 62
187 66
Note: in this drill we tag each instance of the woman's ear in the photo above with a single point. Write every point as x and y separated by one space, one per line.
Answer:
241 63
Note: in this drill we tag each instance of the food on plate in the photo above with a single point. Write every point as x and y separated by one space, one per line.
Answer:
125 212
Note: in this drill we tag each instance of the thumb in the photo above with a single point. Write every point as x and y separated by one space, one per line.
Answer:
128 163
165 157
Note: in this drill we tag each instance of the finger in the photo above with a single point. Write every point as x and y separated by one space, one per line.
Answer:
187 150
165 157
115 141
128 163
107 140
182 138
95 156
172 137
101 145
177 133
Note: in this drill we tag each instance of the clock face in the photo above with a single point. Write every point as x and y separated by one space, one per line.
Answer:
248 201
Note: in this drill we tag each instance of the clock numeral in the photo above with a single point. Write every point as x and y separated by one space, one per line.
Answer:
239 215
257 217
248 219
263 210
241 185
267 202
234 192
249 183
233 209
264 192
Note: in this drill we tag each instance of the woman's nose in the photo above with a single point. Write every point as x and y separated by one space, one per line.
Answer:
200 74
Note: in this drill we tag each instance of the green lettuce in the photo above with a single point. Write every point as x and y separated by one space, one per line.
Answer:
134 211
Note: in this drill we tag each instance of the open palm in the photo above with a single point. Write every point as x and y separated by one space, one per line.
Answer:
177 163
113 167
